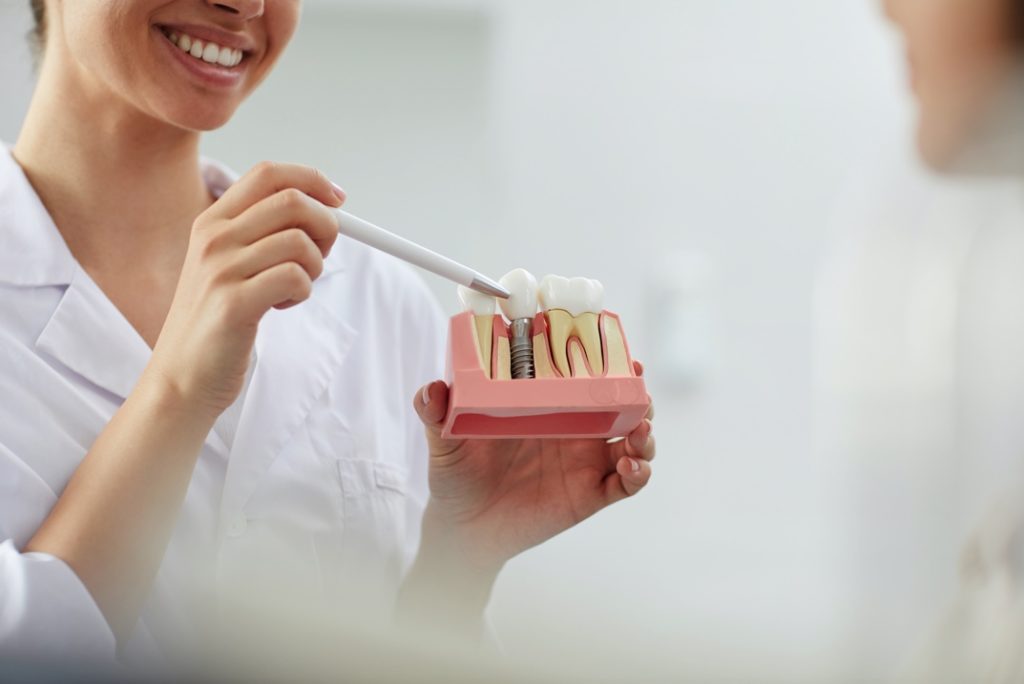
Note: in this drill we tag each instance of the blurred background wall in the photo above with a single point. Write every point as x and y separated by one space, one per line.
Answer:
706 161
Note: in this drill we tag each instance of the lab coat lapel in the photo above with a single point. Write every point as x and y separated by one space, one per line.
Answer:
91 337
298 352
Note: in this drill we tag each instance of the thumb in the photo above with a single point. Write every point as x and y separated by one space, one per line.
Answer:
431 404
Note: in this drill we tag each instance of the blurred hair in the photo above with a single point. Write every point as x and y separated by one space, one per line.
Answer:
1017 11
39 14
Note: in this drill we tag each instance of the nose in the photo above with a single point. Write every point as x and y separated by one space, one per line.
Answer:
243 9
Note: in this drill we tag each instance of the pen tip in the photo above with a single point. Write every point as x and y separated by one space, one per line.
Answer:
489 287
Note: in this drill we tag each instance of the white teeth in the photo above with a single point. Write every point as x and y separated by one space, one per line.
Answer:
577 295
208 52
523 302
477 302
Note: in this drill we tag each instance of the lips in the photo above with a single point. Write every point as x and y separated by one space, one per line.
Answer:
216 65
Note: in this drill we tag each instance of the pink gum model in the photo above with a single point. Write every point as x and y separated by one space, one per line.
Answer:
553 408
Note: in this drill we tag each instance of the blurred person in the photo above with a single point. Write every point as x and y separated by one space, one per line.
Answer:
966 73
170 447
965 70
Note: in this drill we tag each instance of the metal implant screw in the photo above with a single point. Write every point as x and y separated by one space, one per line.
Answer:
521 347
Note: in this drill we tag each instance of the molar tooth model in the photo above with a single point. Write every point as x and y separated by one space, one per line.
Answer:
563 373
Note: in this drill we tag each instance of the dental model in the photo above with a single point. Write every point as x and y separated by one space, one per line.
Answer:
564 372
520 310
573 310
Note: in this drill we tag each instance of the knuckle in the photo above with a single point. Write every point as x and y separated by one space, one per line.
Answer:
212 243
302 290
316 262
295 276
292 199
327 223
318 176
330 239
295 241
265 169
206 248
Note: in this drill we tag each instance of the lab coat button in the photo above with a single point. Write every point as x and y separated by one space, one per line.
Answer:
237 526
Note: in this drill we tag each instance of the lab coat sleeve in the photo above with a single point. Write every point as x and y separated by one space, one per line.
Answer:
46 613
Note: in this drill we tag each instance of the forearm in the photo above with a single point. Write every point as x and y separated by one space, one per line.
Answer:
112 523
445 593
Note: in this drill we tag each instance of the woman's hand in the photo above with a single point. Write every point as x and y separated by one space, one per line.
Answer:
493 499
260 246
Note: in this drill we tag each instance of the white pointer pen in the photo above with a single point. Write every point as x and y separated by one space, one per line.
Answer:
407 250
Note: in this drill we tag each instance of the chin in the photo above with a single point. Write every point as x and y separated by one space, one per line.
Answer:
990 144
936 150
202 120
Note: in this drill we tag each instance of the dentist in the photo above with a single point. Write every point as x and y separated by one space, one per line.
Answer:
206 393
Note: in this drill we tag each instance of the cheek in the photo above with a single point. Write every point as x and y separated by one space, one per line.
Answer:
98 34
955 47
281 21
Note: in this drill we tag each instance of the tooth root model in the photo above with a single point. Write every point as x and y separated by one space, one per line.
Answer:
520 309
573 310
542 350
588 331
483 309
503 360
615 346
560 326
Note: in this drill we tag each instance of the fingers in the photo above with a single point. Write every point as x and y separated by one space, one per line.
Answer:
292 245
286 209
269 178
278 287
631 458
640 442
630 476
639 369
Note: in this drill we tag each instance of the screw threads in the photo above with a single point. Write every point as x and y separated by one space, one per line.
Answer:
521 347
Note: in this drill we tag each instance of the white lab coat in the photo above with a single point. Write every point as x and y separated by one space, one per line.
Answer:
320 497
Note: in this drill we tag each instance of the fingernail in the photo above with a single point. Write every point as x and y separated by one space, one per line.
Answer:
426 395
635 465
341 194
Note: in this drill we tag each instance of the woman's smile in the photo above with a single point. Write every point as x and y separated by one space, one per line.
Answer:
215 57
